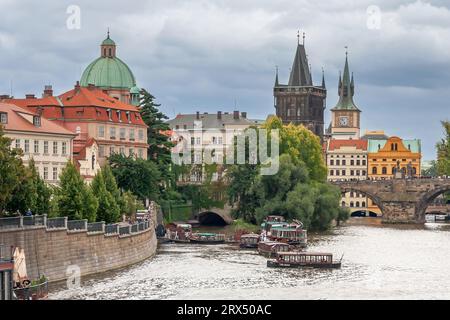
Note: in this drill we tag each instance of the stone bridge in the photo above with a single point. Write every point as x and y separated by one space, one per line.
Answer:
400 200
215 216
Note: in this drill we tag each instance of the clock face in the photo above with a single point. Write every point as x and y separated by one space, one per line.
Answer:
343 121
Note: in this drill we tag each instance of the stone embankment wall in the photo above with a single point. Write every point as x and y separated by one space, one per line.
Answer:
51 251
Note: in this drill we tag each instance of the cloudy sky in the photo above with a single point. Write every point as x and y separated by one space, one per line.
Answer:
209 55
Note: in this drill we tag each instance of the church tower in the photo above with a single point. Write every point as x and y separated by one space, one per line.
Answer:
345 116
300 102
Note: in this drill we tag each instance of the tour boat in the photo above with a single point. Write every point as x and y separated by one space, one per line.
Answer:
179 232
270 249
292 234
249 241
207 238
300 259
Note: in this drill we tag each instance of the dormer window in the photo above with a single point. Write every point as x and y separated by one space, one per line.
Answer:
3 117
118 115
108 111
37 121
128 116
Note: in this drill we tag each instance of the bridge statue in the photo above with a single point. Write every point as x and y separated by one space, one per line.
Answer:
400 200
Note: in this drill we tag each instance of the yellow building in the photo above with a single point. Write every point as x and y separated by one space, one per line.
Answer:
392 157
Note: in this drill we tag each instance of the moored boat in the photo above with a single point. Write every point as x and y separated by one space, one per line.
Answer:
270 249
249 241
207 238
298 259
179 232
292 234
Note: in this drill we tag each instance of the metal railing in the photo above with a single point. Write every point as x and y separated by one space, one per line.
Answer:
124 230
78 225
96 227
54 223
71 225
112 228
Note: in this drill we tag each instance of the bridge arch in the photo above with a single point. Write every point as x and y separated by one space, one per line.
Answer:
427 199
376 200
210 218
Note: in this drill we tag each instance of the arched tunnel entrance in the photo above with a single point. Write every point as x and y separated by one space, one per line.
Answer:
210 218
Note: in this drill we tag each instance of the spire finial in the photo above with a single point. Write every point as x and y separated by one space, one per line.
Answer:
298 37
346 51
108 33
304 36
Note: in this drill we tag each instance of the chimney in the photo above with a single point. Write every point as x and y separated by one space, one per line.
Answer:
219 115
244 115
236 115
48 91
30 96
77 86
198 115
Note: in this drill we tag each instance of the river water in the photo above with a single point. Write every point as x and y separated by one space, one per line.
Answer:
380 262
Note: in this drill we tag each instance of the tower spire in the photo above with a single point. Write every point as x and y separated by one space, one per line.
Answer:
276 76
323 79
346 88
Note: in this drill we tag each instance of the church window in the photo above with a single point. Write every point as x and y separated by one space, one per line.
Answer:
110 52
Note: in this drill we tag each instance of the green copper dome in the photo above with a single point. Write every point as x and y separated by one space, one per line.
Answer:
106 72
108 42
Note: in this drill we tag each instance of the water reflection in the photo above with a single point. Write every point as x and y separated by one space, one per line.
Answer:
380 262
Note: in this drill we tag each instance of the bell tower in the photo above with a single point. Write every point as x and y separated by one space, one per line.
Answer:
345 116
108 48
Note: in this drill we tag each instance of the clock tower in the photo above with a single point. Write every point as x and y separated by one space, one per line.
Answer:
345 116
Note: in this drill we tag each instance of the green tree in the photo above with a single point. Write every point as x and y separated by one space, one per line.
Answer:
139 176
112 187
108 210
25 194
443 151
432 171
130 204
11 170
74 199
302 145
159 149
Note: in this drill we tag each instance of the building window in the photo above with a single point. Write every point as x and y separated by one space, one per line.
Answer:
197 140
337 172
112 133
357 204
352 172
374 170
192 140
55 173
3 117
111 150
364 172
45 173
17 143
220 140
101 151
122 150
101 131
36 146
384 170
37 121
352 204
45 147
358 163
357 172
27 146
331 162
141 134
109 112
363 205
140 153
55 147
352 162
132 134
122 133
128 116
331 172
214 140
64 148
343 162
343 172
119 115
338 162
364 162
343 204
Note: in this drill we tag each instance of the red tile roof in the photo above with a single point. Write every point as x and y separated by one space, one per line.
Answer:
82 103
17 121
337 144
